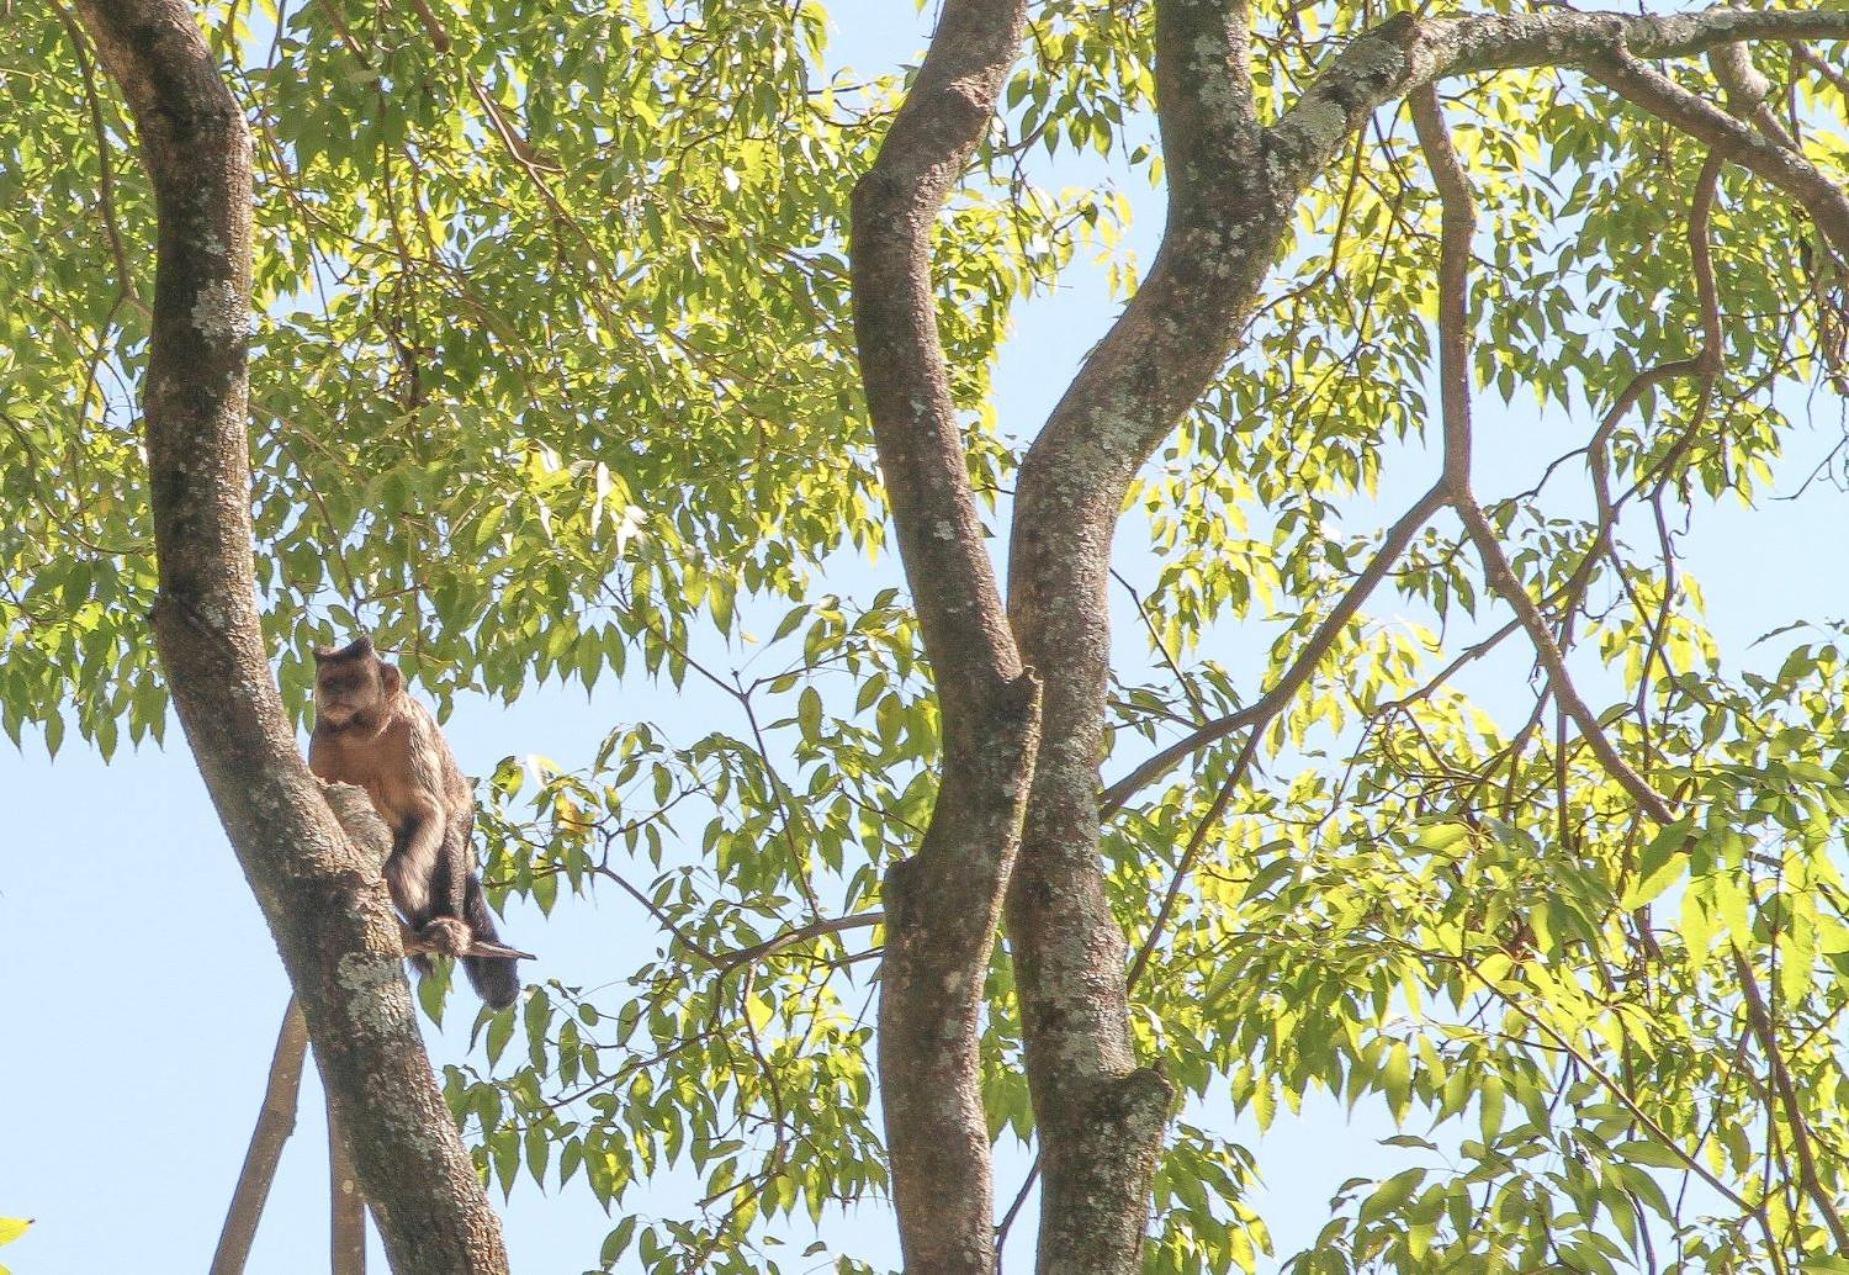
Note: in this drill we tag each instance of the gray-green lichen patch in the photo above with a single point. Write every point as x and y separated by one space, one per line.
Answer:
379 1000
219 313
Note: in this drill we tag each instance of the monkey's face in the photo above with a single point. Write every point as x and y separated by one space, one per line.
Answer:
351 683
345 690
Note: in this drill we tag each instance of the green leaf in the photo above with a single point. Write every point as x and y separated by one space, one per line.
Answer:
809 714
1391 1195
1660 866
1654 1154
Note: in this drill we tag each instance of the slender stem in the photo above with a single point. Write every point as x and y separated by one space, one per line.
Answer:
1268 705
1761 1020
275 1122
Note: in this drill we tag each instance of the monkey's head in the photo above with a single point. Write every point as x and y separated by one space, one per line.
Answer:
353 684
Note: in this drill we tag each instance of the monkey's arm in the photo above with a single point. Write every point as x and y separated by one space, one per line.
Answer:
417 843
420 943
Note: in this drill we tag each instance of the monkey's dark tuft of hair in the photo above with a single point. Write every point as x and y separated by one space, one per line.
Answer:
496 979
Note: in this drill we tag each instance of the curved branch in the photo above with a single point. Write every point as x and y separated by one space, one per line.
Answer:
1405 52
1454 379
902 365
943 904
1101 1117
1783 167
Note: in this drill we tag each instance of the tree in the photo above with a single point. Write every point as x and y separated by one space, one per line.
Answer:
1235 178
578 271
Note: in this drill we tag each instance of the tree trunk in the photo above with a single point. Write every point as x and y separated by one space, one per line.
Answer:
323 898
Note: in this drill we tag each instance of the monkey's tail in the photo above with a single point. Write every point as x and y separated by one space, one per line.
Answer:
496 979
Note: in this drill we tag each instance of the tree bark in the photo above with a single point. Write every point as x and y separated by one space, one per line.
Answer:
942 904
346 1206
1100 1118
323 897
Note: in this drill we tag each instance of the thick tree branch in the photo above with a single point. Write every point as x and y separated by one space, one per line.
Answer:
902 363
943 904
1233 187
1099 1116
1401 53
1748 91
1733 138
1405 52
322 896
1153 364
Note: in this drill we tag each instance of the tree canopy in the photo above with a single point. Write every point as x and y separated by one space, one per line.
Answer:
1437 796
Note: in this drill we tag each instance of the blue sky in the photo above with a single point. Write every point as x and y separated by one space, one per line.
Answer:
142 993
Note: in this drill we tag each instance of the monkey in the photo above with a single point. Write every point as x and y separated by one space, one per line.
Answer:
370 732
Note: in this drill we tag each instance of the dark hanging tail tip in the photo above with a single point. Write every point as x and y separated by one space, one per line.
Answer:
496 979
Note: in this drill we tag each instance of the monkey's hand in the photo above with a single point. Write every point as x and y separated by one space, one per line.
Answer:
438 938
446 936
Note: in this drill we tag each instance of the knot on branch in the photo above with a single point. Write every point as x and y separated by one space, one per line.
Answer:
1743 82
1018 702
896 894
1136 1106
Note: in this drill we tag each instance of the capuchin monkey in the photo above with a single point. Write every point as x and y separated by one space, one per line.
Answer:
369 732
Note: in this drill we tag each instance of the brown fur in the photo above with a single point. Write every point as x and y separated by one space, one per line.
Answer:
369 732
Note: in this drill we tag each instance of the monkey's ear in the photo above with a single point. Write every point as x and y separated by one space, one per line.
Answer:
393 679
323 653
361 645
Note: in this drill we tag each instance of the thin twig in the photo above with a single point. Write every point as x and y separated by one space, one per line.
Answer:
1191 855
1761 1021
1268 705
106 185
730 961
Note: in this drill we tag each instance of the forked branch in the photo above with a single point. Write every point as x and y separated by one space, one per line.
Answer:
1458 227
